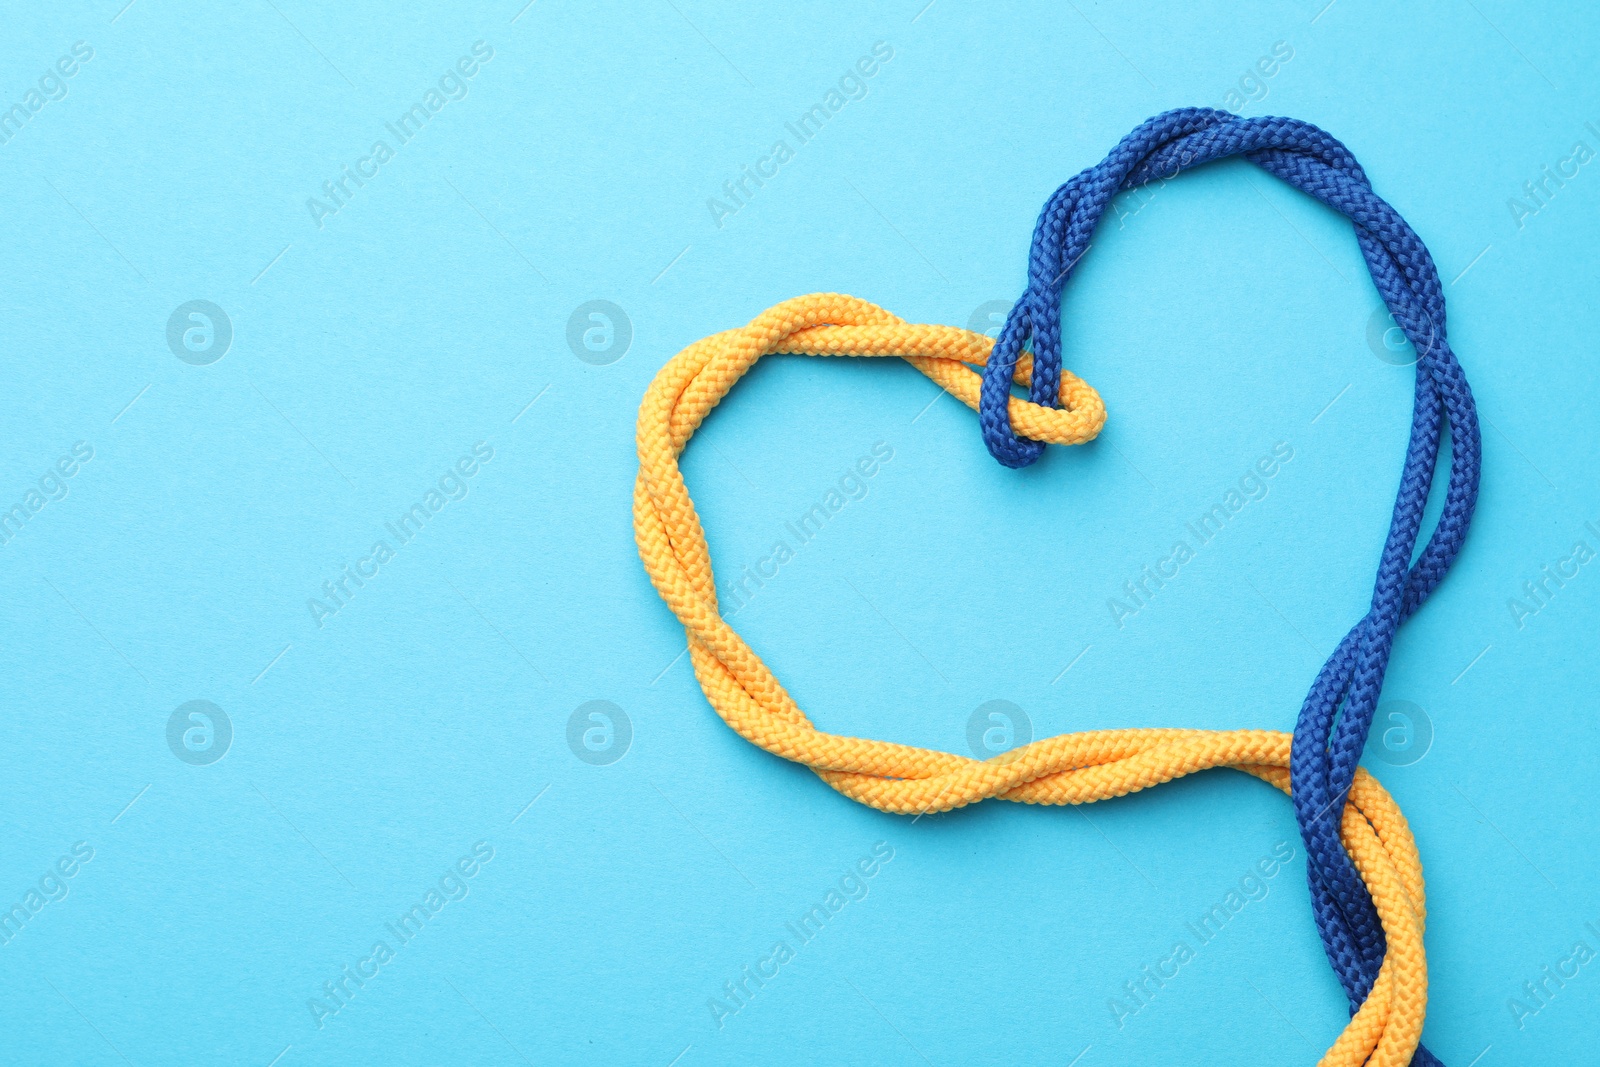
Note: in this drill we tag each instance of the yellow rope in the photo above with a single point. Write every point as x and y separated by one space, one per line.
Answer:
1069 769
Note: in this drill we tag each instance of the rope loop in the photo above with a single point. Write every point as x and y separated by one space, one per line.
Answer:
1337 714
831 324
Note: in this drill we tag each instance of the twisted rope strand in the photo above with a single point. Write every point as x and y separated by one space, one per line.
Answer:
1337 715
1069 769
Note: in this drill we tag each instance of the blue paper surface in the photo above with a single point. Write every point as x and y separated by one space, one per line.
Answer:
342 725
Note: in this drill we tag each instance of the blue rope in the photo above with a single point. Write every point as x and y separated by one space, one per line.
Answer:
1337 714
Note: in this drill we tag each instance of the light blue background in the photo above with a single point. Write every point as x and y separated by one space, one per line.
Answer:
369 754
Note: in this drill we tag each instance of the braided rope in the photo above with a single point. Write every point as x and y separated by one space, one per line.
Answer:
1068 769
1337 715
